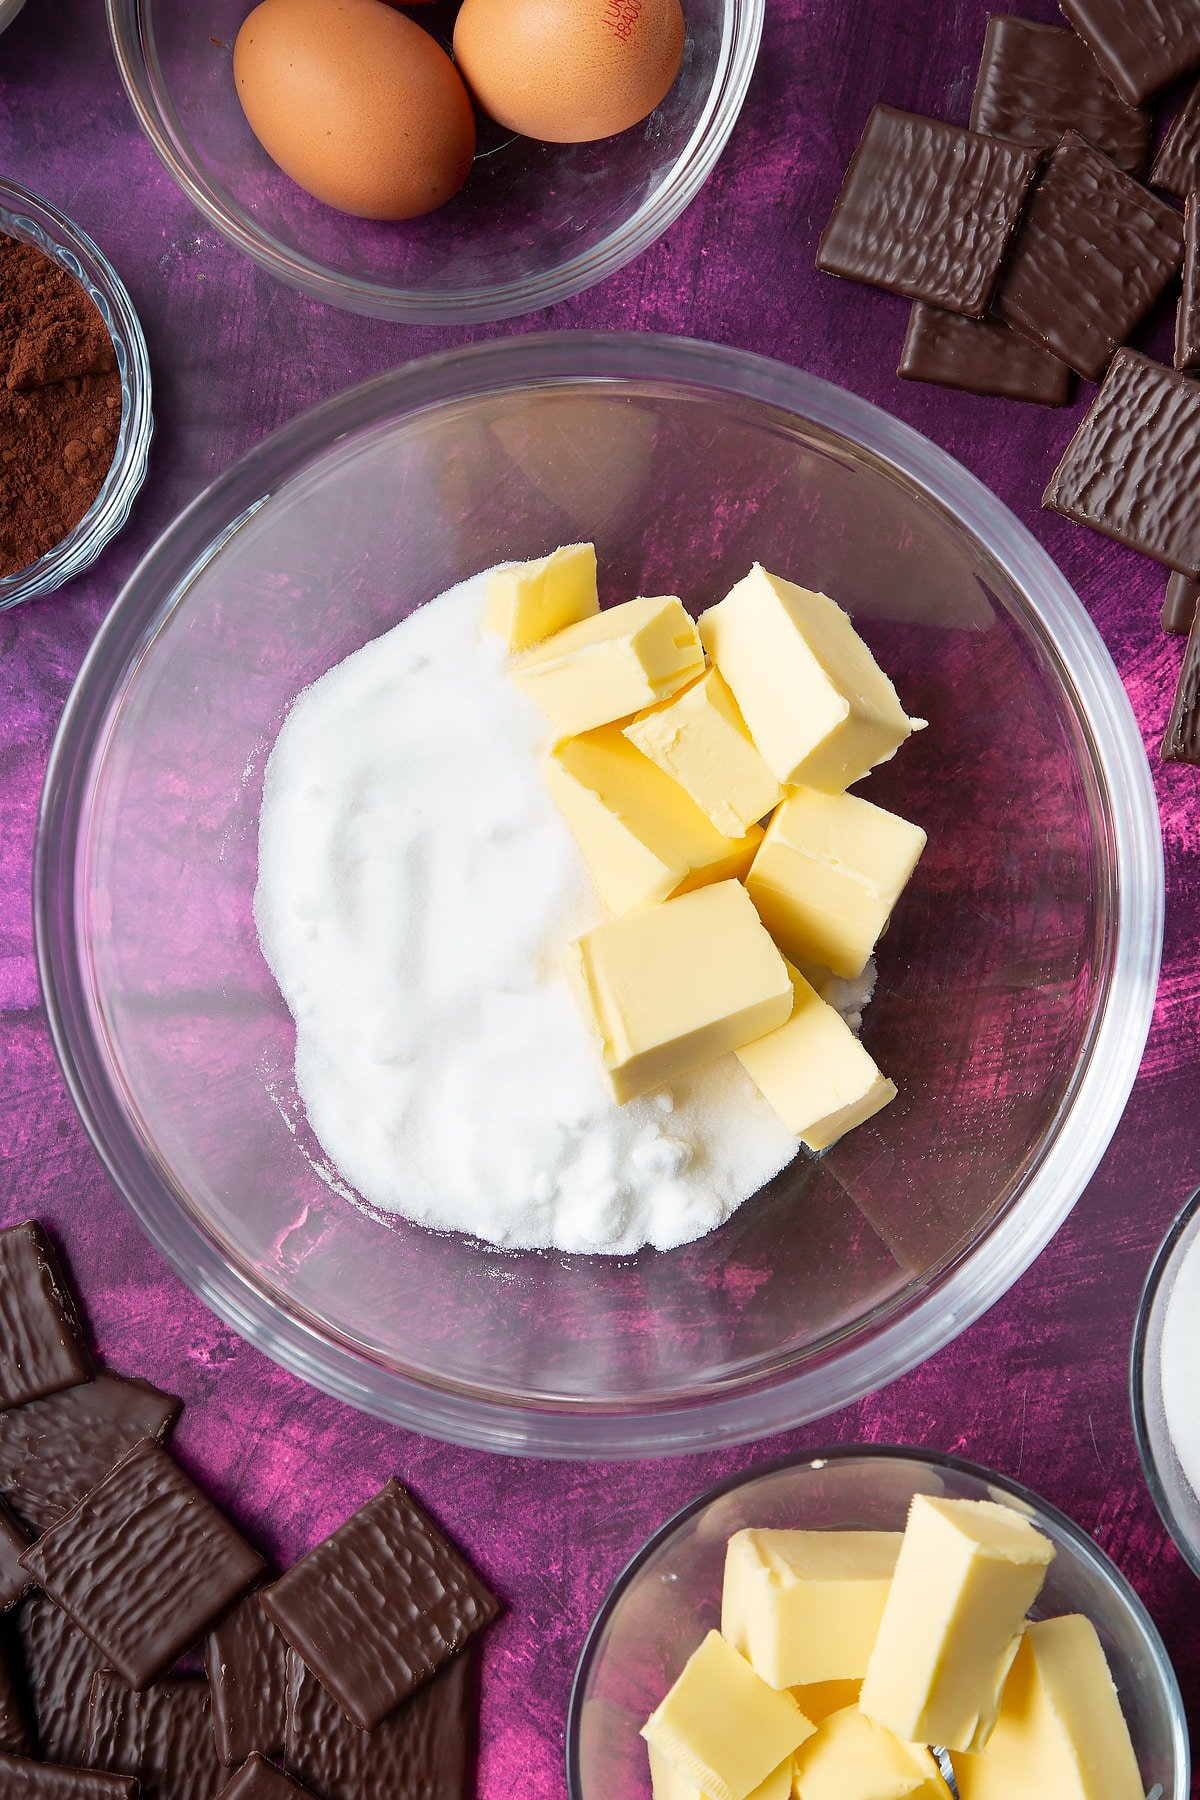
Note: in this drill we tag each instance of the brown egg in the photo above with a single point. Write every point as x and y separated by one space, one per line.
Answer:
356 103
568 71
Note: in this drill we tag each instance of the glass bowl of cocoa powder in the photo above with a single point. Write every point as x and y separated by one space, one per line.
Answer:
75 420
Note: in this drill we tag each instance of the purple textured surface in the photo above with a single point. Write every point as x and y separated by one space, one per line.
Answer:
1037 1388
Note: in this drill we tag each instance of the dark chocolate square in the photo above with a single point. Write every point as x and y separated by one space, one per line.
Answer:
24 1780
1094 252
1037 81
1187 312
246 1659
424 1751
1144 45
1182 740
1132 470
54 1451
163 1735
15 1582
379 1607
59 1663
980 356
16 1739
261 1780
41 1347
143 1564
1179 604
927 209
1177 164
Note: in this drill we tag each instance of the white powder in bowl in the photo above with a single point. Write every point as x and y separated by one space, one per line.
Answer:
416 890
1181 1365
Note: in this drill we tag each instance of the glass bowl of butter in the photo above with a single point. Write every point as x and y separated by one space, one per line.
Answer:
875 1609
1015 980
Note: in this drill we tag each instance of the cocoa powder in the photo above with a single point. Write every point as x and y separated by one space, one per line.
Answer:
60 403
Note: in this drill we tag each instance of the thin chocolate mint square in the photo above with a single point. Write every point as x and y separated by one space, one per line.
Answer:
927 209
1037 81
258 1779
1144 45
163 1735
143 1564
424 1751
1182 740
378 1608
15 1582
1132 470
980 356
1179 604
54 1451
16 1739
41 1346
1094 252
21 1779
59 1663
1176 167
1187 312
246 1659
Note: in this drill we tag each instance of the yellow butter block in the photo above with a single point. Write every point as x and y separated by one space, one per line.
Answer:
828 872
1060 1730
816 702
677 985
805 1606
642 837
851 1757
700 740
721 1727
819 1079
967 1573
666 1783
607 668
526 602
817 1699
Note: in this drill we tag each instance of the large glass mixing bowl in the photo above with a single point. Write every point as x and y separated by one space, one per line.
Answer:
1015 984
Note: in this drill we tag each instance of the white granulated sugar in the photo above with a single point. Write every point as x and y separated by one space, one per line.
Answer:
416 890
1181 1365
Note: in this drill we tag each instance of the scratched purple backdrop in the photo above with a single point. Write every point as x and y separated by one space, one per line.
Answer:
1037 1388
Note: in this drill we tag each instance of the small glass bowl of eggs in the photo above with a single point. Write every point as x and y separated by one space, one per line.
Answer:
443 161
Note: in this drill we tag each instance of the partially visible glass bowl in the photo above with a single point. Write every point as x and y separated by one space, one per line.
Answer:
23 215
1016 980
1177 1501
669 1596
535 222
8 11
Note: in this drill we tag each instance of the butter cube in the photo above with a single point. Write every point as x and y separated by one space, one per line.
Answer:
666 1783
817 1699
816 1074
1060 1730
641 835
816 702
700 740
677 985
851 1757
805 1606
967 1573
827 875
526 602
603 669
721 1727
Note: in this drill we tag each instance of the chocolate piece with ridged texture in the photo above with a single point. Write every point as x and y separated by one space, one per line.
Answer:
144 1564
54 1451
980 356
1037 81
16 1739
1182 740
378 1607
1187 312
1144 45
1179 604
21 1779
59 1663
163 1735
15 1582
246 1659
41 1347
424 1751
928 210
1132 470
261 1780
1176 167
1094 252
